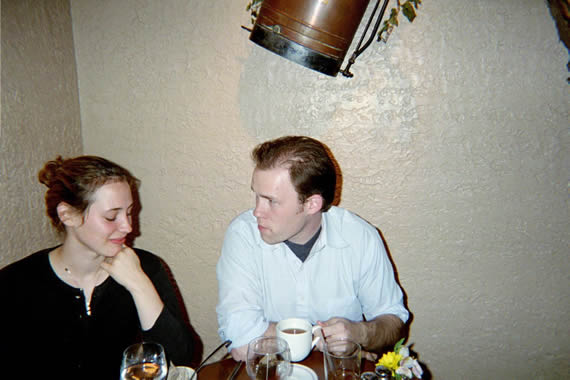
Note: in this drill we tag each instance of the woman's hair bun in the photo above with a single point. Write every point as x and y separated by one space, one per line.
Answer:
50 170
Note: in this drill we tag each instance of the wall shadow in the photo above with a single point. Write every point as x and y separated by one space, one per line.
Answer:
406 330
197 344
135 223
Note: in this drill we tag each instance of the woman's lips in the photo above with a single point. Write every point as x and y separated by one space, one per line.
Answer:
120 241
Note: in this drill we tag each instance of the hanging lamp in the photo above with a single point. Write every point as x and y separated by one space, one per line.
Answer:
314 33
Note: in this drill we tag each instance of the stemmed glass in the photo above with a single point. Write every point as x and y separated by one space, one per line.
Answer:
268 358
144 361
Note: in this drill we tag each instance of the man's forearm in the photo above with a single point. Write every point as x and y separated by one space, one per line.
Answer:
271 329
384 330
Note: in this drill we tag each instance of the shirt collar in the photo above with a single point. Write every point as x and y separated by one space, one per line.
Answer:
331 232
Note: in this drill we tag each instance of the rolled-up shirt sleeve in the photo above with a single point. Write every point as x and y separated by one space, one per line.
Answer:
378 291
240 306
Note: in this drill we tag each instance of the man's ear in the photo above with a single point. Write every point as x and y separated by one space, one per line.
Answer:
314 203
68 215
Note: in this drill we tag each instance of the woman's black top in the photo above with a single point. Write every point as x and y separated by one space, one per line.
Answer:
46 330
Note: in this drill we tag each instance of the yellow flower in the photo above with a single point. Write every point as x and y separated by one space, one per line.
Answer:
390 361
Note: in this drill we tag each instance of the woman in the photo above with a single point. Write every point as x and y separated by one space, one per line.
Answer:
71 310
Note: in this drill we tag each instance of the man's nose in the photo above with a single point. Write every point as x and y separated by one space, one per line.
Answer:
258 210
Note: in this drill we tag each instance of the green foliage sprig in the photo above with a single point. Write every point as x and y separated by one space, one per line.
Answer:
408 8
253 8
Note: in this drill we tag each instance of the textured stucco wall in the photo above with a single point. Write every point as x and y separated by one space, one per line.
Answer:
40 117
453 140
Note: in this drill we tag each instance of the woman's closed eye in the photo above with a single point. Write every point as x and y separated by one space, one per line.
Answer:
111 217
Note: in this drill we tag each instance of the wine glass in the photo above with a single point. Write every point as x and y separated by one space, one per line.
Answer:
268 358
144 361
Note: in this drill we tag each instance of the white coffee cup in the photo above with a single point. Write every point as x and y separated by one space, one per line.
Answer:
299 335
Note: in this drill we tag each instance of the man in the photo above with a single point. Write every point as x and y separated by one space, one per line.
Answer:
296 255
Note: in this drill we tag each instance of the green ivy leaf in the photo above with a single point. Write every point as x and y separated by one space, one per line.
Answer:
398 345
416 3
409 11
253 4
393 19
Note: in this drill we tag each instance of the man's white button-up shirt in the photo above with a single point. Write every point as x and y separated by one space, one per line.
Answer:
347 274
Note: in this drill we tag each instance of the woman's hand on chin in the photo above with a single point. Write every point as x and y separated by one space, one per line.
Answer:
125 268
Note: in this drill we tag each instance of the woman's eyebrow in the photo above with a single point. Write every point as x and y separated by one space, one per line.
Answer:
120 208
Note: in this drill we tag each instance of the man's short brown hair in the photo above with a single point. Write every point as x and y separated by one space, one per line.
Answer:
310 165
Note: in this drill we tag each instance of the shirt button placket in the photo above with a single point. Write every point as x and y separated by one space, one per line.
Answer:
301 286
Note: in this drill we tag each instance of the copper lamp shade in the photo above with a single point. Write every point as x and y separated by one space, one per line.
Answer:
312 33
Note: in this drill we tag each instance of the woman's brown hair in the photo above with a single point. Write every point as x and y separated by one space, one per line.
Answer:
74 180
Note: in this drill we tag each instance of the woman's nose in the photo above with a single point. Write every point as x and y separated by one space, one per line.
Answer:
126 225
